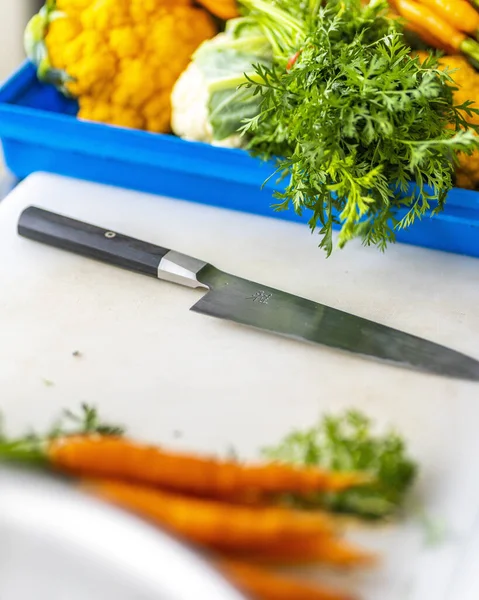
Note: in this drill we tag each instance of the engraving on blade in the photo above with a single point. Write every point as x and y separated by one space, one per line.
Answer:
248 303
260 296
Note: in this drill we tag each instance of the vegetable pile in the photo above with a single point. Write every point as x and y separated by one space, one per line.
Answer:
368 135
236 512
356 120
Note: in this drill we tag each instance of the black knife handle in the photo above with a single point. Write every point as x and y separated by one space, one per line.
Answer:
90 241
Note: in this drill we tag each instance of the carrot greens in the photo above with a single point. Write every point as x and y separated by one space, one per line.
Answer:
348 441
364 135
30 447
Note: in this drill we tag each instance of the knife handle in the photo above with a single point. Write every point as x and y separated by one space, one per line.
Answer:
90 241
109 247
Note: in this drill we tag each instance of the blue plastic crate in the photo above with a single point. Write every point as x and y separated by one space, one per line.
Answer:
39 132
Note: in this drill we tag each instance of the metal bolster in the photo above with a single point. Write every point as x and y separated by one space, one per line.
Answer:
182 269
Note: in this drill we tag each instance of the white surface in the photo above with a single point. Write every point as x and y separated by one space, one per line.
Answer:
187 380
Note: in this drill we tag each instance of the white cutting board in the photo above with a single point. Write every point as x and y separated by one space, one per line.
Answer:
191 381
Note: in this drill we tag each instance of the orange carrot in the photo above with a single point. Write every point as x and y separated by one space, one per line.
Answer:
427 37
422 16
261 584
421 31
224 9
458 13
120 458
323 549
214 524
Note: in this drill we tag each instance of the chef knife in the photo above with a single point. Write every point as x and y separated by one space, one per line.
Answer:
246 302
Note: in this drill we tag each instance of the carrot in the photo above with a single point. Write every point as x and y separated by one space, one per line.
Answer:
120 458
428 37
293 60
420 30
262 584
224 9
211 523
323 549
458 13
424 17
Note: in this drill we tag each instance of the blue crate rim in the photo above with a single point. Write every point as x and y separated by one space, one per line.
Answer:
109 136
37 136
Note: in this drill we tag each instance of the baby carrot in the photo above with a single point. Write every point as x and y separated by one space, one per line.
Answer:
427 37
262 584
441 29
422 32
121 458
458 13
321 549
214 524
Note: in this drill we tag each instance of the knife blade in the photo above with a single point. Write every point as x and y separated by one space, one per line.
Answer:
246 302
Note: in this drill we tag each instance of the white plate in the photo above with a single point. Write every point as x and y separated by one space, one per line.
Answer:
57 543
192 382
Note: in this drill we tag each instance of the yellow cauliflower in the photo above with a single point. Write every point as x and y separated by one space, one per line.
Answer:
120 58
466 79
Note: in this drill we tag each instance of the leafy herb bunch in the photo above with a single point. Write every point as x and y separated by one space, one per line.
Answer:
348 442
364 134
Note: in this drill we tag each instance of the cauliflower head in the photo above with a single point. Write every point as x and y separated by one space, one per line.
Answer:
119 58
190 115
209 101
466 79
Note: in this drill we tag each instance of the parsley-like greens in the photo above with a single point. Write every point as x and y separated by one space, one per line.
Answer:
30 446
348 442
365 135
